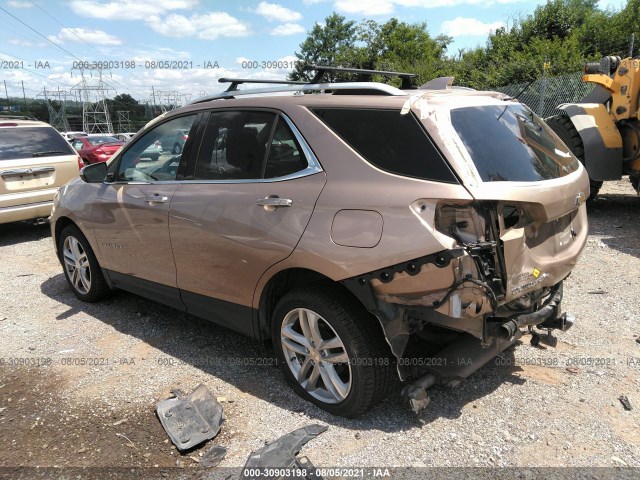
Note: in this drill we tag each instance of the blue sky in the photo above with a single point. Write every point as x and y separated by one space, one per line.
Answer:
41 41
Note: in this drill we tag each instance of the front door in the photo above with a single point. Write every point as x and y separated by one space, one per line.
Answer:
253 192
130 218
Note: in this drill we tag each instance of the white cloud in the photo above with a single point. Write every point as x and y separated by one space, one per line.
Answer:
371 7
97 37
18 42
19 4
383 7
207 26
277 13
460 27
288 29
128 9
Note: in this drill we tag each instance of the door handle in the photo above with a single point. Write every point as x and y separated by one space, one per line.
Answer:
275 202
156 199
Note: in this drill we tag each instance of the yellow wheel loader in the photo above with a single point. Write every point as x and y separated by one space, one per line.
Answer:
603 129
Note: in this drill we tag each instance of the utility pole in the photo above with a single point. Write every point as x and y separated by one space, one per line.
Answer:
153 94
5 91
633 39
24 97
543 87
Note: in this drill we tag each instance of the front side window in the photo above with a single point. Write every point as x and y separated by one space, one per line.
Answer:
510 143
147 161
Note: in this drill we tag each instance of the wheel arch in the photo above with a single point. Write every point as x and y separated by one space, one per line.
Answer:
60 225
283 282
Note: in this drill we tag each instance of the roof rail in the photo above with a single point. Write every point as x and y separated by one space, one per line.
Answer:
372 87
322 69
239 81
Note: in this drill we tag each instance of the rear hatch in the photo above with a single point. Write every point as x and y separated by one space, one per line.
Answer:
529 190
34 161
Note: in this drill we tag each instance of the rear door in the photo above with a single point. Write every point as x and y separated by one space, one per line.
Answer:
535 185
130 217
34 161
253 188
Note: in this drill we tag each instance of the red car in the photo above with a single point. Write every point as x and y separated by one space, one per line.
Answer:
96 148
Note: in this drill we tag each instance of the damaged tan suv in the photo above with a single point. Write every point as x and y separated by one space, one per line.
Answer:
364 229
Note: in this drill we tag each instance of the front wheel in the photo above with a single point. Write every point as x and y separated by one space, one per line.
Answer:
331 350
81 268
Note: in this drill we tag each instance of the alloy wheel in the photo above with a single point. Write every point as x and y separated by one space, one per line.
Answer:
316 355
76 264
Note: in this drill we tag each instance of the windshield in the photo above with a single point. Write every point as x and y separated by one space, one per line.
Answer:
99 140
29 142
510 143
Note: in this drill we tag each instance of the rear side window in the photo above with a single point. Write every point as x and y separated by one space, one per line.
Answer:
390 141
29 142
510 143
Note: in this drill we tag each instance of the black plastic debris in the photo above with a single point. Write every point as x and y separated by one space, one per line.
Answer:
624 400
213 457
190 419
282 454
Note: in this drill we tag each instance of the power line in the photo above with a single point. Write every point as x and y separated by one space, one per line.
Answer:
38 33
70 30
64 49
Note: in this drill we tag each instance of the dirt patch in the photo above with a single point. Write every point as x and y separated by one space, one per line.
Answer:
40 428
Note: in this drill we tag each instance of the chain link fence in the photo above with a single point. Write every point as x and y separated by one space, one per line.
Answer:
545 94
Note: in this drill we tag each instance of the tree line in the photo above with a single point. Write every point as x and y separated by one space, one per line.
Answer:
559 37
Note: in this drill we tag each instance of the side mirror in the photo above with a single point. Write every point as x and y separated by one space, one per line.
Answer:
95 173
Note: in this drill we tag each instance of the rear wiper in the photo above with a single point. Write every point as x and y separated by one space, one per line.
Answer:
44 154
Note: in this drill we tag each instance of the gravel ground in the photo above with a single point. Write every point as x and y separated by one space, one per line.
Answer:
537 406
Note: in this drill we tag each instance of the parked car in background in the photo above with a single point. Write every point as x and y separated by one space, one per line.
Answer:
34 161
174 141
124 137
364 230
153 151
96 148
69 136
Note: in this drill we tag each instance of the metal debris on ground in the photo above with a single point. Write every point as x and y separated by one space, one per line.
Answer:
213 456
190 419
624 400
282 452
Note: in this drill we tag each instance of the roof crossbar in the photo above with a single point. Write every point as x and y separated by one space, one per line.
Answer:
322 69
380 88
239 81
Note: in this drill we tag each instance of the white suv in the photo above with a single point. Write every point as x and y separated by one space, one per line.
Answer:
34 161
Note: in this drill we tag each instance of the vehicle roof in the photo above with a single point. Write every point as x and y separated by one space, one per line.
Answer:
22 123
455 97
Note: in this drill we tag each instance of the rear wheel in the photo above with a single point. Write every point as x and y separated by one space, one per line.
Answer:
177 149
81 268
331 350
563 127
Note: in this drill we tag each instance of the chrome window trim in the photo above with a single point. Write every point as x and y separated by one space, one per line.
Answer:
313 165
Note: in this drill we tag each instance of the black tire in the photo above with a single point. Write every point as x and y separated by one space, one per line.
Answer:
177 149
563 127
97 286
635 182
154 157
368 367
